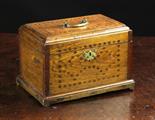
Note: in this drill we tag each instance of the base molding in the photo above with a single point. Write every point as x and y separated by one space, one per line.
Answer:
48 100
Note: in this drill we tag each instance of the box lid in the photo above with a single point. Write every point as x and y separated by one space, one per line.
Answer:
68 29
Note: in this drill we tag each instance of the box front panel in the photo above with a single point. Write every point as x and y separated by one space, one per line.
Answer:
88 63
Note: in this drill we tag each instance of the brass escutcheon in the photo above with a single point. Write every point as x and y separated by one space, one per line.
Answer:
89 55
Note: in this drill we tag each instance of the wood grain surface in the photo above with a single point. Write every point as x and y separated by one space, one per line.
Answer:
17 104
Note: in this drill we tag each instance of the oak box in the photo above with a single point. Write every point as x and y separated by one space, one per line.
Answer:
71 58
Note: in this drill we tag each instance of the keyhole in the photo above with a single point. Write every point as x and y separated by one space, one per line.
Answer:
90 54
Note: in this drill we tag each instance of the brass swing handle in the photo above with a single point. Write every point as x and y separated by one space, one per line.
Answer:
82 23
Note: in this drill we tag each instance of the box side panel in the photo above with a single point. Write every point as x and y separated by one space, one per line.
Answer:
70 71
31 60
130 54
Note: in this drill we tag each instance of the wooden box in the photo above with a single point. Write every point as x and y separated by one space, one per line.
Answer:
71 58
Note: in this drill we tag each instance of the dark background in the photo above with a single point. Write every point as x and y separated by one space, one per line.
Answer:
138 14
